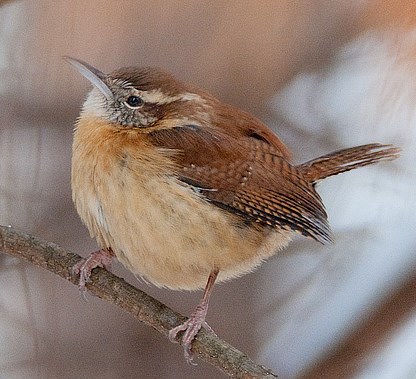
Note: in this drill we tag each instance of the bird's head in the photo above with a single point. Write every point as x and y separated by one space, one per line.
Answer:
142 98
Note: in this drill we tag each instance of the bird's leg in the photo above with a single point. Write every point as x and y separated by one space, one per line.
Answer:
197 319
99 258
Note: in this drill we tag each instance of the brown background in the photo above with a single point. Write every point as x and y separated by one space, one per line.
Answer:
324 75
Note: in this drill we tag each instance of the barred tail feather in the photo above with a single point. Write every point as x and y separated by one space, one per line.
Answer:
346 160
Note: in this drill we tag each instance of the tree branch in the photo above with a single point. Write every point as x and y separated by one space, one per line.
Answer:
143 307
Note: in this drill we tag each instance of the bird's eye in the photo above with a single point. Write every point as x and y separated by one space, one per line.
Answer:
134 101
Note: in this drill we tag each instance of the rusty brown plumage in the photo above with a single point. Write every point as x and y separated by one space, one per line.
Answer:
347 159
253 178
182 187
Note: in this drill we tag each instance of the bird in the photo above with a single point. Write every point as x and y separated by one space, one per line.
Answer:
187 191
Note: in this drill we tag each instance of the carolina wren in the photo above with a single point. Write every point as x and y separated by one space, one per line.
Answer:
182 188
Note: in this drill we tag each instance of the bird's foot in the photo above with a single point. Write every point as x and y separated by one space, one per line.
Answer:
191 328
101 258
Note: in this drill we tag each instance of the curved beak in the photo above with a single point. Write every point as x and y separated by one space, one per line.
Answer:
96 77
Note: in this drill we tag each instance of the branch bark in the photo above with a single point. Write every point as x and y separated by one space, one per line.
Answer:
207 346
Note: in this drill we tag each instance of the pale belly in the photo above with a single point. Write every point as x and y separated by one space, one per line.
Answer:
165 232
168 235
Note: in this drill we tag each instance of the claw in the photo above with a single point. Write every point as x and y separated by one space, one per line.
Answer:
100 258
195 322
191 327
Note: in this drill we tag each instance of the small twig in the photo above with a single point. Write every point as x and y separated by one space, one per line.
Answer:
143 307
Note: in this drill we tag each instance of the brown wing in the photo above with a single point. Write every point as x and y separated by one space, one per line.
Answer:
247 174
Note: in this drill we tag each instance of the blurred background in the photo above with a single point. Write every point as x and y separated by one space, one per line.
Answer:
324 75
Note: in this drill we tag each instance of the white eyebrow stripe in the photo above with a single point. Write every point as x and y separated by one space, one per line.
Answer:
156 96
190 96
